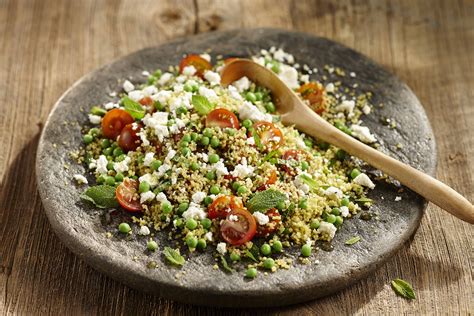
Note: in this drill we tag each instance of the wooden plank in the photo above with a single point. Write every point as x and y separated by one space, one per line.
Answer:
47 45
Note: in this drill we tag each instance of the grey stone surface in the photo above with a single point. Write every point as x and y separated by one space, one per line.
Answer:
83 228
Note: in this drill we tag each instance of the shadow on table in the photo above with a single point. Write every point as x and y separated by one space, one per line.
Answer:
43 275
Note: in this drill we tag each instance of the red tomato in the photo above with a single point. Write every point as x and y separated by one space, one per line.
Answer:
197 62
127 195
238 232
270 136
146 101
222 118
222 206
272 225
128 139
114 121
314 93
229 60
271 180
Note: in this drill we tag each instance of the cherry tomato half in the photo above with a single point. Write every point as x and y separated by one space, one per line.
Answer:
127 195
114 121
271 180
229 60
128 139
222 206
197 62
222 118
270 136
314 93
238 232
269 228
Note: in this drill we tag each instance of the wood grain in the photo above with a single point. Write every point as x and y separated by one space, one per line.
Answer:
46 45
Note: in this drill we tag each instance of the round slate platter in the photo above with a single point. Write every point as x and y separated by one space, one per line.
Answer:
83 228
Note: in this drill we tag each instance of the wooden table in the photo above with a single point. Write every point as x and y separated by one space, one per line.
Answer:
47 45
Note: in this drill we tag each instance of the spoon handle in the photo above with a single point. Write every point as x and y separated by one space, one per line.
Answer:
425 185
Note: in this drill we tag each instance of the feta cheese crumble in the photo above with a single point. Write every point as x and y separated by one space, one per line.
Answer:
327 228
95 119
222 248
128 86
249 111
364 180
261 218
80 179
194 211
363 133
144 231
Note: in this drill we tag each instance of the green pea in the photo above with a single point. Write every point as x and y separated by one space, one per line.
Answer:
101 179
191 241
258 96
211 175
183 207
124 228
184 143
265 249
331 218
268 263
306 250
251 273
110 165
336 211
94 131
155 164
206 223
202 244
157 104
323 145
194 136
178 223
188 88
208 200
235 186
234 256
304 165
108 151
231 131
166 207
270 107
205 141
151 80
163 217
87 139
250 96
117 152
181 110
276 67
186 138
157 73
119 177
105 143
208 132
281 205
194 166
144 187
191 223
340 154
354 173
214 189
185 151
247 123
277 246
109 180
215 142
339 221
345 202
308 142
303 204
241 190
152 245
213 158
314 224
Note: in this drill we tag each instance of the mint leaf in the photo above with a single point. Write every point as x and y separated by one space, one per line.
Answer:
250 255
313 185
352 240
102 196
133 108
173 256
225 265
265 200
403 288
201 104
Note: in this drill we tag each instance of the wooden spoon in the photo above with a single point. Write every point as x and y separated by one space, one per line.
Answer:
294 112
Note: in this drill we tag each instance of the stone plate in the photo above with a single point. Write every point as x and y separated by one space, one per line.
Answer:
83 228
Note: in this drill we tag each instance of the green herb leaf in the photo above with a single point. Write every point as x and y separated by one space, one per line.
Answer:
265 200
98 111
102 196
270 155
364 200
403 288
133 108
225 265
256 138
250 255
313 185
173 256
352 240
201 104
